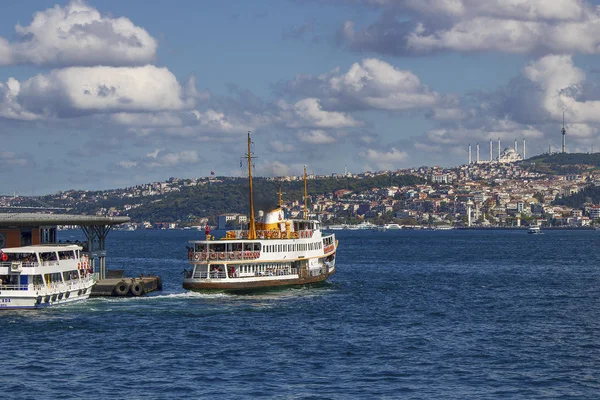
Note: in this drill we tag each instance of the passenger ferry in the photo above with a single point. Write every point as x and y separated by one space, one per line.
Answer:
272 252
534 230
44 275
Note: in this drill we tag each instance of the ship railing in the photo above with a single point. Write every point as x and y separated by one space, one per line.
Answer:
222 275
24 264
278 272
224 255
14 287
271 234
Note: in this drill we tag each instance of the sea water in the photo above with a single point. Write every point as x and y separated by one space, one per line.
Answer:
408 315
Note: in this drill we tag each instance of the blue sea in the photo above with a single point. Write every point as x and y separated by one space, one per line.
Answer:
462 314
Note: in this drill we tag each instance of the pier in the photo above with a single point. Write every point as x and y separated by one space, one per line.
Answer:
116 284
25 229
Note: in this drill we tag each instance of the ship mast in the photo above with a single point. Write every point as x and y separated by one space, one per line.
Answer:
249 157
305 196
280 197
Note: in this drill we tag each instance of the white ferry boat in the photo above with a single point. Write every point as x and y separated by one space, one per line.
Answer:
44 275
534 230
273 252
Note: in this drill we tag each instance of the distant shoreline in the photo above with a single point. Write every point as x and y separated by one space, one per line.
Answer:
524 228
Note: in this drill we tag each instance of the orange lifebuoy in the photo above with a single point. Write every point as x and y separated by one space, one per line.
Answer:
232 256
221 256
213 256
196 256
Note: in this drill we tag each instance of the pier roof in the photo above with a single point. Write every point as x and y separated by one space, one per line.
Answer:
35 219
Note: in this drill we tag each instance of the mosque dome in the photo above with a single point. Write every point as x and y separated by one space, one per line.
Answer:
509 155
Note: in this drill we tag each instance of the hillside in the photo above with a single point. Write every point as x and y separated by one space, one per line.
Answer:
590 194
563 163
228 195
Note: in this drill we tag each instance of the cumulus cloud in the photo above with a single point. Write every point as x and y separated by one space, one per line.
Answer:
9 105
516 26
562 85
280 147
161 158
86 90
386 159
11 159
78 34
275 168
316 136
309 113
372 84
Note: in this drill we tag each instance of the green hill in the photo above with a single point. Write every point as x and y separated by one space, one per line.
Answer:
226 195
590 194
563 163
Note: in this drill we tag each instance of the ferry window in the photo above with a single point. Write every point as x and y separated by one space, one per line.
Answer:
200 247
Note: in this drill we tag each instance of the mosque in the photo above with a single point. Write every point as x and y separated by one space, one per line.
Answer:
509 155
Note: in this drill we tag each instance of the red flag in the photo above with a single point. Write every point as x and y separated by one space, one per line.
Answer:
212 172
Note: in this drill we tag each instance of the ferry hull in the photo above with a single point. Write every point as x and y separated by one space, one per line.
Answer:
237 286
9 301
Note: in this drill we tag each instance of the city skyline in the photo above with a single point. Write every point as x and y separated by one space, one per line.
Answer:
107 94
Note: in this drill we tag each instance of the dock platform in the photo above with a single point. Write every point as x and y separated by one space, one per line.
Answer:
121 286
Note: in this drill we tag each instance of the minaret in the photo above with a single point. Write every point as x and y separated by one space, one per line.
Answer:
516 150
564 134
469 153
498 149
524 150
469 205
549 148
491 150
477 153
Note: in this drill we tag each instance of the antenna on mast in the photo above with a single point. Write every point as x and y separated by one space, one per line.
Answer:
564 134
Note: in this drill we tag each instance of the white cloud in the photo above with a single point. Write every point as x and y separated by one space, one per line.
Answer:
127 164
160 119
565 10
78 34
377 84
309 113
562 83
11 159
9 105
279 147
389 159
511 26
316 136
370 84
275 168
87 90
167 160
217 120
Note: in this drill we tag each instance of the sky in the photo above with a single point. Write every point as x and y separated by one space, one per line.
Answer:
106 94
